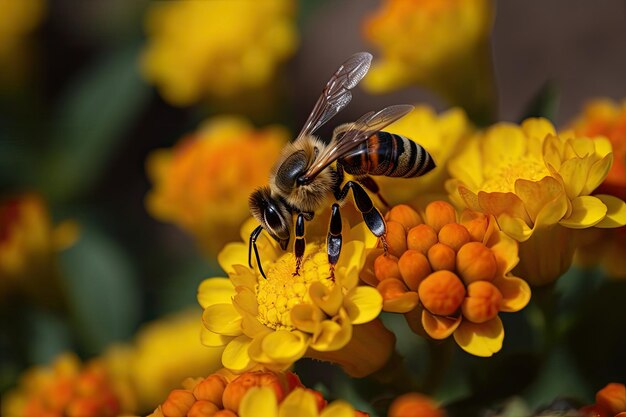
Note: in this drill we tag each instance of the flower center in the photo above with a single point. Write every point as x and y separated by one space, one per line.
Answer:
277 294
502 178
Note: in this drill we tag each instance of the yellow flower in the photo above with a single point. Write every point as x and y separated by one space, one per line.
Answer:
274 322
605 118
28 244
218 47
440 135
538 186
443 44
162 354
449 277
260 393
203 183
67 388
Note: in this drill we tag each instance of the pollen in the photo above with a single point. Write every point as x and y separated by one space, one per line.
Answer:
502 179
282 290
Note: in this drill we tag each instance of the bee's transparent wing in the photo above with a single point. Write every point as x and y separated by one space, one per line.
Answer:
359 131
336 95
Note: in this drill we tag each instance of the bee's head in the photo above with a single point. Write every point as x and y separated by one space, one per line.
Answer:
272 213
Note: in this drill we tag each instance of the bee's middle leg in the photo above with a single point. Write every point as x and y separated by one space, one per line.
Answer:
334 239
299 244
369 183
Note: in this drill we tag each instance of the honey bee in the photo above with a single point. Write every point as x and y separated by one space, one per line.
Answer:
310 171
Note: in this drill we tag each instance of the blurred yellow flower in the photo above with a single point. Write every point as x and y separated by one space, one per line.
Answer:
162 354
251 394
605 118
443 44
274 322
67 388
217 47
537 184
449 277
440 135
203 183
28 244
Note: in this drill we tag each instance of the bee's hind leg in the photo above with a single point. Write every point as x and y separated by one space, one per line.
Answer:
299 244
252 244
334 239
369 183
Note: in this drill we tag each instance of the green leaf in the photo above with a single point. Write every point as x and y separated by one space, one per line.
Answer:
545 103
93 116
102 289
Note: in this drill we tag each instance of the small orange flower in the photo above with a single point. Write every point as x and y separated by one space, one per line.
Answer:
414 405
453 278
610 402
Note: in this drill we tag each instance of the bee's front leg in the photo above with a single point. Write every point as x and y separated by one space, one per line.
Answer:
334 239
299 244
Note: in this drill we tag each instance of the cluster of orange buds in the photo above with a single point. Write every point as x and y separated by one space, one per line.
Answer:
414 404
222 393
610 402
448 276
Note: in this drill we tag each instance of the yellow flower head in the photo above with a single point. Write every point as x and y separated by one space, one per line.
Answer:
217 47
440 136
162 354
537 184
28 243
67 388
203 183
439 43
251 394
274 322
448 276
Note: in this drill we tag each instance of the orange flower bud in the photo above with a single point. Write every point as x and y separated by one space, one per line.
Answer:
414 267
442 293
476 224
224 413
83 407
421 238
211 389
482 302
178 403
475 261
439 213
454 235
391 288
404 215
238 387
414 405
594 410
612 397
358 413
396 238
441 257
59 394
386 267
293 381
396 298
203 409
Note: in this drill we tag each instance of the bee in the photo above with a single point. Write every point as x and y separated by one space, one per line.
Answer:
309 171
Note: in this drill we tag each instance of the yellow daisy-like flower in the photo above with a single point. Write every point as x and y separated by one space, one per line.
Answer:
274 322
28 244
449 277
67 388
537 184
440 135
203 183
605 118
443 44
194 49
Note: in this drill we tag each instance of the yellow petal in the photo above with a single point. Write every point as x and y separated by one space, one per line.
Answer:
468 164
538 128
258 401
574 173
243 277
252 327
235 253
333 335
514 227
552 151
306 317
338 409
536 194
483 339
285 346
469 198
210 339
222 319
350 263
363 304
503 142
361 233
587 211
597 173
502 203
215 291
515 293
236 357
553 211
298 403
506 252
439 327
327 299
245 301
616 211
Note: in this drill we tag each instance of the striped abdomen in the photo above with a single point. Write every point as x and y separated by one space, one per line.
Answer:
389 155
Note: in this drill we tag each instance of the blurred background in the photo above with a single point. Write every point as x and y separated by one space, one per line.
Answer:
84 105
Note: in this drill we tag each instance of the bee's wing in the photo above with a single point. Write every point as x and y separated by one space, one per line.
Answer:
336 95
359 131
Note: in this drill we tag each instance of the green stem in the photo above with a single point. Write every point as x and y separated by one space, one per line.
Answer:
441 353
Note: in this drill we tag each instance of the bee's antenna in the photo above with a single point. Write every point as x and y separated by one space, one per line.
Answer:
252 244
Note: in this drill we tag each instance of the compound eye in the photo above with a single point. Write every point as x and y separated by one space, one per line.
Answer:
273 219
